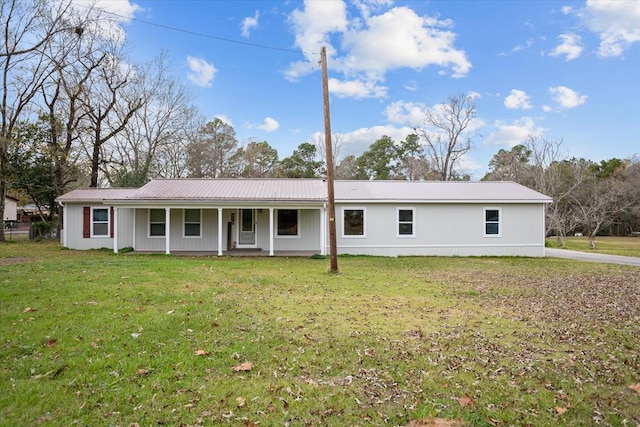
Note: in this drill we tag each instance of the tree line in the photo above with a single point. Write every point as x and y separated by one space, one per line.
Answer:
77 111
588 197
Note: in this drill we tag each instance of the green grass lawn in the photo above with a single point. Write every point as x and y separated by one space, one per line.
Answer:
627 246
93 338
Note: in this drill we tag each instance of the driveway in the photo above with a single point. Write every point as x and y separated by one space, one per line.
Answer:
592 257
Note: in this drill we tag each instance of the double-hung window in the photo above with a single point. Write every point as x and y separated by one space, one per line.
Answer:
492 222
353 222
192 221
405 222
157 222
100 222
288 222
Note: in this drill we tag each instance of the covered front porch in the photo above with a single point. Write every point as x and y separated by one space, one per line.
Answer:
201 230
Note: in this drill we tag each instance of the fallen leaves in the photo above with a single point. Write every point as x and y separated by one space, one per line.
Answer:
635 387
466 400
246 366
560 410
201 352
435 422
29 310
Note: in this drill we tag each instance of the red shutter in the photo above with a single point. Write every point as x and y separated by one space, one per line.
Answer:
86 222
111 221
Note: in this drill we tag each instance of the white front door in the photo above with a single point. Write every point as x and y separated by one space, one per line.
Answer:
247 228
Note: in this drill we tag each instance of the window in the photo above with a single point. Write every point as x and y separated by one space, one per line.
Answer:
157 222
405 222
100 222
192 223
287 222
353 222
492 222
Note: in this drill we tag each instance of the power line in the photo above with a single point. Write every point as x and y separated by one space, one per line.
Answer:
209 36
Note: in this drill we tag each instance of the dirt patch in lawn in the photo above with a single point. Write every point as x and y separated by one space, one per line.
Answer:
14 260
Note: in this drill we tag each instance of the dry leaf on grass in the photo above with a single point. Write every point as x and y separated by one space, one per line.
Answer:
435 422
201 352
142 372
466 400
241 401
635 387
560 410
246 366
28 310
51 343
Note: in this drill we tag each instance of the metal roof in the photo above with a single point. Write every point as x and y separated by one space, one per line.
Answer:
232 190
96 194
436 191
311 190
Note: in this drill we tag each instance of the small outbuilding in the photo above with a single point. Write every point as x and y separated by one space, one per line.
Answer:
289 216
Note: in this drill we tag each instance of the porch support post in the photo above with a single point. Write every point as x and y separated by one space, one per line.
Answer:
219 231
65 228
167 230
270 231
323 230
115 230
133 242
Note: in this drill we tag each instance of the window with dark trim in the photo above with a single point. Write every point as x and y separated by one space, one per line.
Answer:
192 222
287 222
157 222
405 222
353 222
492 222
100 222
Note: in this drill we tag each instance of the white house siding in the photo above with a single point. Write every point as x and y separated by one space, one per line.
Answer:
446 229
208 240
74 230
308 238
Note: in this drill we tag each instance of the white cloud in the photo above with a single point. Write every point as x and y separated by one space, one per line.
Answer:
514 133
359 140
411 85
109 24
269 125
567 98
249 23
401 38
224 118
406 113
202 72
356 89
616 22
518 100
122 10
571 46
374 42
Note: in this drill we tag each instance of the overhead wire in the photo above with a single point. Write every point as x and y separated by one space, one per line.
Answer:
209 36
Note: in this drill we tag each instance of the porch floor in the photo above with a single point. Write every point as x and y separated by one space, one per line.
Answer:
236 253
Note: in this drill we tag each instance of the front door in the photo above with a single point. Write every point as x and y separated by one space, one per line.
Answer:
247 229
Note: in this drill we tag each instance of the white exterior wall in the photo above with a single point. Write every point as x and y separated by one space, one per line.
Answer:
447 230
208 240
10 210
74 225
308 238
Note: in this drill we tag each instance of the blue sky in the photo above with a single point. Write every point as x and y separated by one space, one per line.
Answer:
565 70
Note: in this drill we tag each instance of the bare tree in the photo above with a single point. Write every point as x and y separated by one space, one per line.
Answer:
447 134
113 97
27 28
337 140
558 178
151 129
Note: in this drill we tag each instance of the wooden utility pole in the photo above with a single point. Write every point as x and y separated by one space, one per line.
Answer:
329 156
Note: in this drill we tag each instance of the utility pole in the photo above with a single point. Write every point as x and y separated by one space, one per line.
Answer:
329 156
